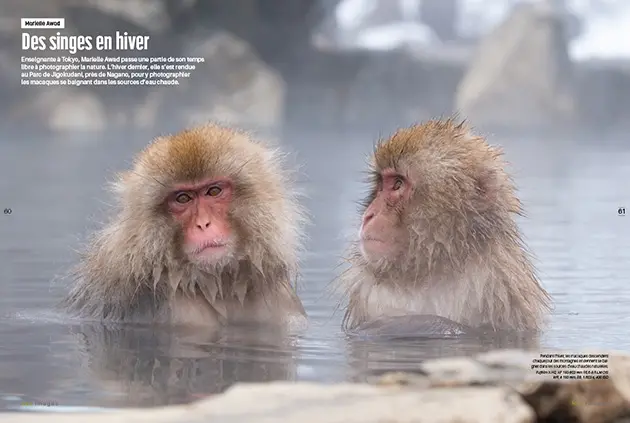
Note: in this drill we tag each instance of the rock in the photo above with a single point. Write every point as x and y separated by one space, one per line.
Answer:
585 401
233 85
149 14
375 90
603 90
343 403
521 76
441 16
555 400
82 111
61 110
349 403
463 390
504 367
12 10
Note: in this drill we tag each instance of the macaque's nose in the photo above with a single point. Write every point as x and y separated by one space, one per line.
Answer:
368 216
203 223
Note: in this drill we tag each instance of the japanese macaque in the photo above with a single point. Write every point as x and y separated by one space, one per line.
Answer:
208 233
438 236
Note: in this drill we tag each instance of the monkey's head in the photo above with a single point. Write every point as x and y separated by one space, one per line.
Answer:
211 196
437 192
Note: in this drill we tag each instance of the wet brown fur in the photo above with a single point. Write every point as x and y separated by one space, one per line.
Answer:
466 259
134 268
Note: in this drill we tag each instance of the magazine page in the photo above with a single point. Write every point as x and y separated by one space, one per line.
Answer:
314 210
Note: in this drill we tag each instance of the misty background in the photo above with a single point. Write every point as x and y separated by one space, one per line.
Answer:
331 65
547 80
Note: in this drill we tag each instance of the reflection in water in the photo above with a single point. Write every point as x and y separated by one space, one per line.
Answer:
152 366
571 191
414 325
401 343
376 356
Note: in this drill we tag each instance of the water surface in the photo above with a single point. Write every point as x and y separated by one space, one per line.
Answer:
54 187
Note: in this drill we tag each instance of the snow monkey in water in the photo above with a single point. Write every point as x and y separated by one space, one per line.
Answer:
207 233
438 236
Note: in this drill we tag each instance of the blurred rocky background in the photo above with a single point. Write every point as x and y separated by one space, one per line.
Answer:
340 64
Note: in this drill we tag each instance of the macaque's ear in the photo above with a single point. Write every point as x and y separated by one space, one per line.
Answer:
487 189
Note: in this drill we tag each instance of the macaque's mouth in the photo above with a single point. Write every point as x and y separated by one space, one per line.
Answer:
371 239
209 246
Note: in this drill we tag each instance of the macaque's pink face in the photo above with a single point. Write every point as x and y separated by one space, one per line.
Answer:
382 235
202 210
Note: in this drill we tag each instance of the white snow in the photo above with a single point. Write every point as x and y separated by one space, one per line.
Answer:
606 25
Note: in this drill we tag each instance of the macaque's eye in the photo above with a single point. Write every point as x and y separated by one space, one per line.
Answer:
214 191
397 184
183 198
